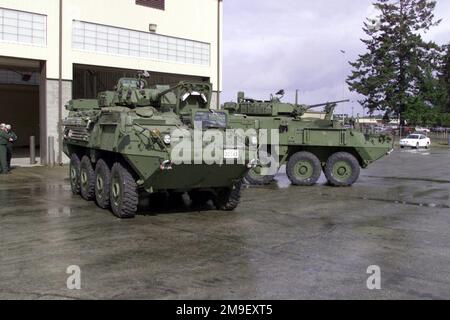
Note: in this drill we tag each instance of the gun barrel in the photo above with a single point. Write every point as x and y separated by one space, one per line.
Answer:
172 88
327 103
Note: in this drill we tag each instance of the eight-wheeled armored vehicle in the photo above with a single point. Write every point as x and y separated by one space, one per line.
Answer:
307 146
127 142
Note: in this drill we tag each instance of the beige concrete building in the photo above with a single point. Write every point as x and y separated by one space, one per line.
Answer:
55 50
315 115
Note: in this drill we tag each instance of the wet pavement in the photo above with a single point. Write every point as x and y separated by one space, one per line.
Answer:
282 242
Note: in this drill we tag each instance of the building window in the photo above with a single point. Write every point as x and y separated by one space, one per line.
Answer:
17 77
23 27
157 4
124 42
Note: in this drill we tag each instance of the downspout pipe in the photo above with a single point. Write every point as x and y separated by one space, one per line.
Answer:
219 45
60 92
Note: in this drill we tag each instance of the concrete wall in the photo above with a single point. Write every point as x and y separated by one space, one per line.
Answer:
187 19
52 98
195 20
314 115
48 52
214 101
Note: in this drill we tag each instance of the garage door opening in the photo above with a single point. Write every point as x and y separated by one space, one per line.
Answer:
88 81
19 107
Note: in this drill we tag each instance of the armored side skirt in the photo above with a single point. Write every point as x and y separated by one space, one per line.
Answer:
185 176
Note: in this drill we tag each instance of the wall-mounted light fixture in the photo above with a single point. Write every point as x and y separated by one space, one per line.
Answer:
152 27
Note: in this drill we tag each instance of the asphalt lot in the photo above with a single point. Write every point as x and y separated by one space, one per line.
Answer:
282 242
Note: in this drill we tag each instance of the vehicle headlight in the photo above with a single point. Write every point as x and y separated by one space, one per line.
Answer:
254 140
167 139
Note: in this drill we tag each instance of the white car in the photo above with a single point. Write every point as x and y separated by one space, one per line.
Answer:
422 130
416 140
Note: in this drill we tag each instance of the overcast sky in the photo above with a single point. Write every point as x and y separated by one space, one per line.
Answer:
296 44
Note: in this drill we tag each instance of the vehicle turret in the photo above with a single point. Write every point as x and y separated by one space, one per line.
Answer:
134 93
274 106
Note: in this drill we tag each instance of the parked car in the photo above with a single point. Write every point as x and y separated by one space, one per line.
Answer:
422 130
416 140
438 129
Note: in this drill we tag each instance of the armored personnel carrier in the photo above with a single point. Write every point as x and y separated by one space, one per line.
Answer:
306 146
124 144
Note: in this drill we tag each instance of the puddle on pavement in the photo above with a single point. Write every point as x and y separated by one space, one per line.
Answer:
63 212
423 152
406 203
282 182
410 179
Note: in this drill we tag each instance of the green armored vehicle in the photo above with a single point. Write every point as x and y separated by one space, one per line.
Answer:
306 146
140 140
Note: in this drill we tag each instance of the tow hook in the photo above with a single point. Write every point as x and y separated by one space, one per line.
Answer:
166 165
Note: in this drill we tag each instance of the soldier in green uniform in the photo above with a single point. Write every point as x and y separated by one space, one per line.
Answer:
4 140
12 140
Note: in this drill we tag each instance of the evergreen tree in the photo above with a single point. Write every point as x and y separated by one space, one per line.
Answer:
399 67
446 77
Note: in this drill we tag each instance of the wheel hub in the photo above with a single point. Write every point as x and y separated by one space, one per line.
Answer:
116 192
73 174
84 178
342 170
304 170
99 184
256 171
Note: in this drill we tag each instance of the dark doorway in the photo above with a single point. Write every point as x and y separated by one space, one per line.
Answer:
19 104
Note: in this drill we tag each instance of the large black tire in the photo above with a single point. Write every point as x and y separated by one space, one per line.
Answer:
304 169
74 174
102 184
255 179
87 179
342 169
228 199
123 193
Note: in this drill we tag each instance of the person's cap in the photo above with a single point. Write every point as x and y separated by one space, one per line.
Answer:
8 126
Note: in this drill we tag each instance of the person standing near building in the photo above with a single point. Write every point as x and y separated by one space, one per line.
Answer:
4 140
12 140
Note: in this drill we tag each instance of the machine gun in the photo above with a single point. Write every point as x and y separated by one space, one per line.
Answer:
327 104
329 108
